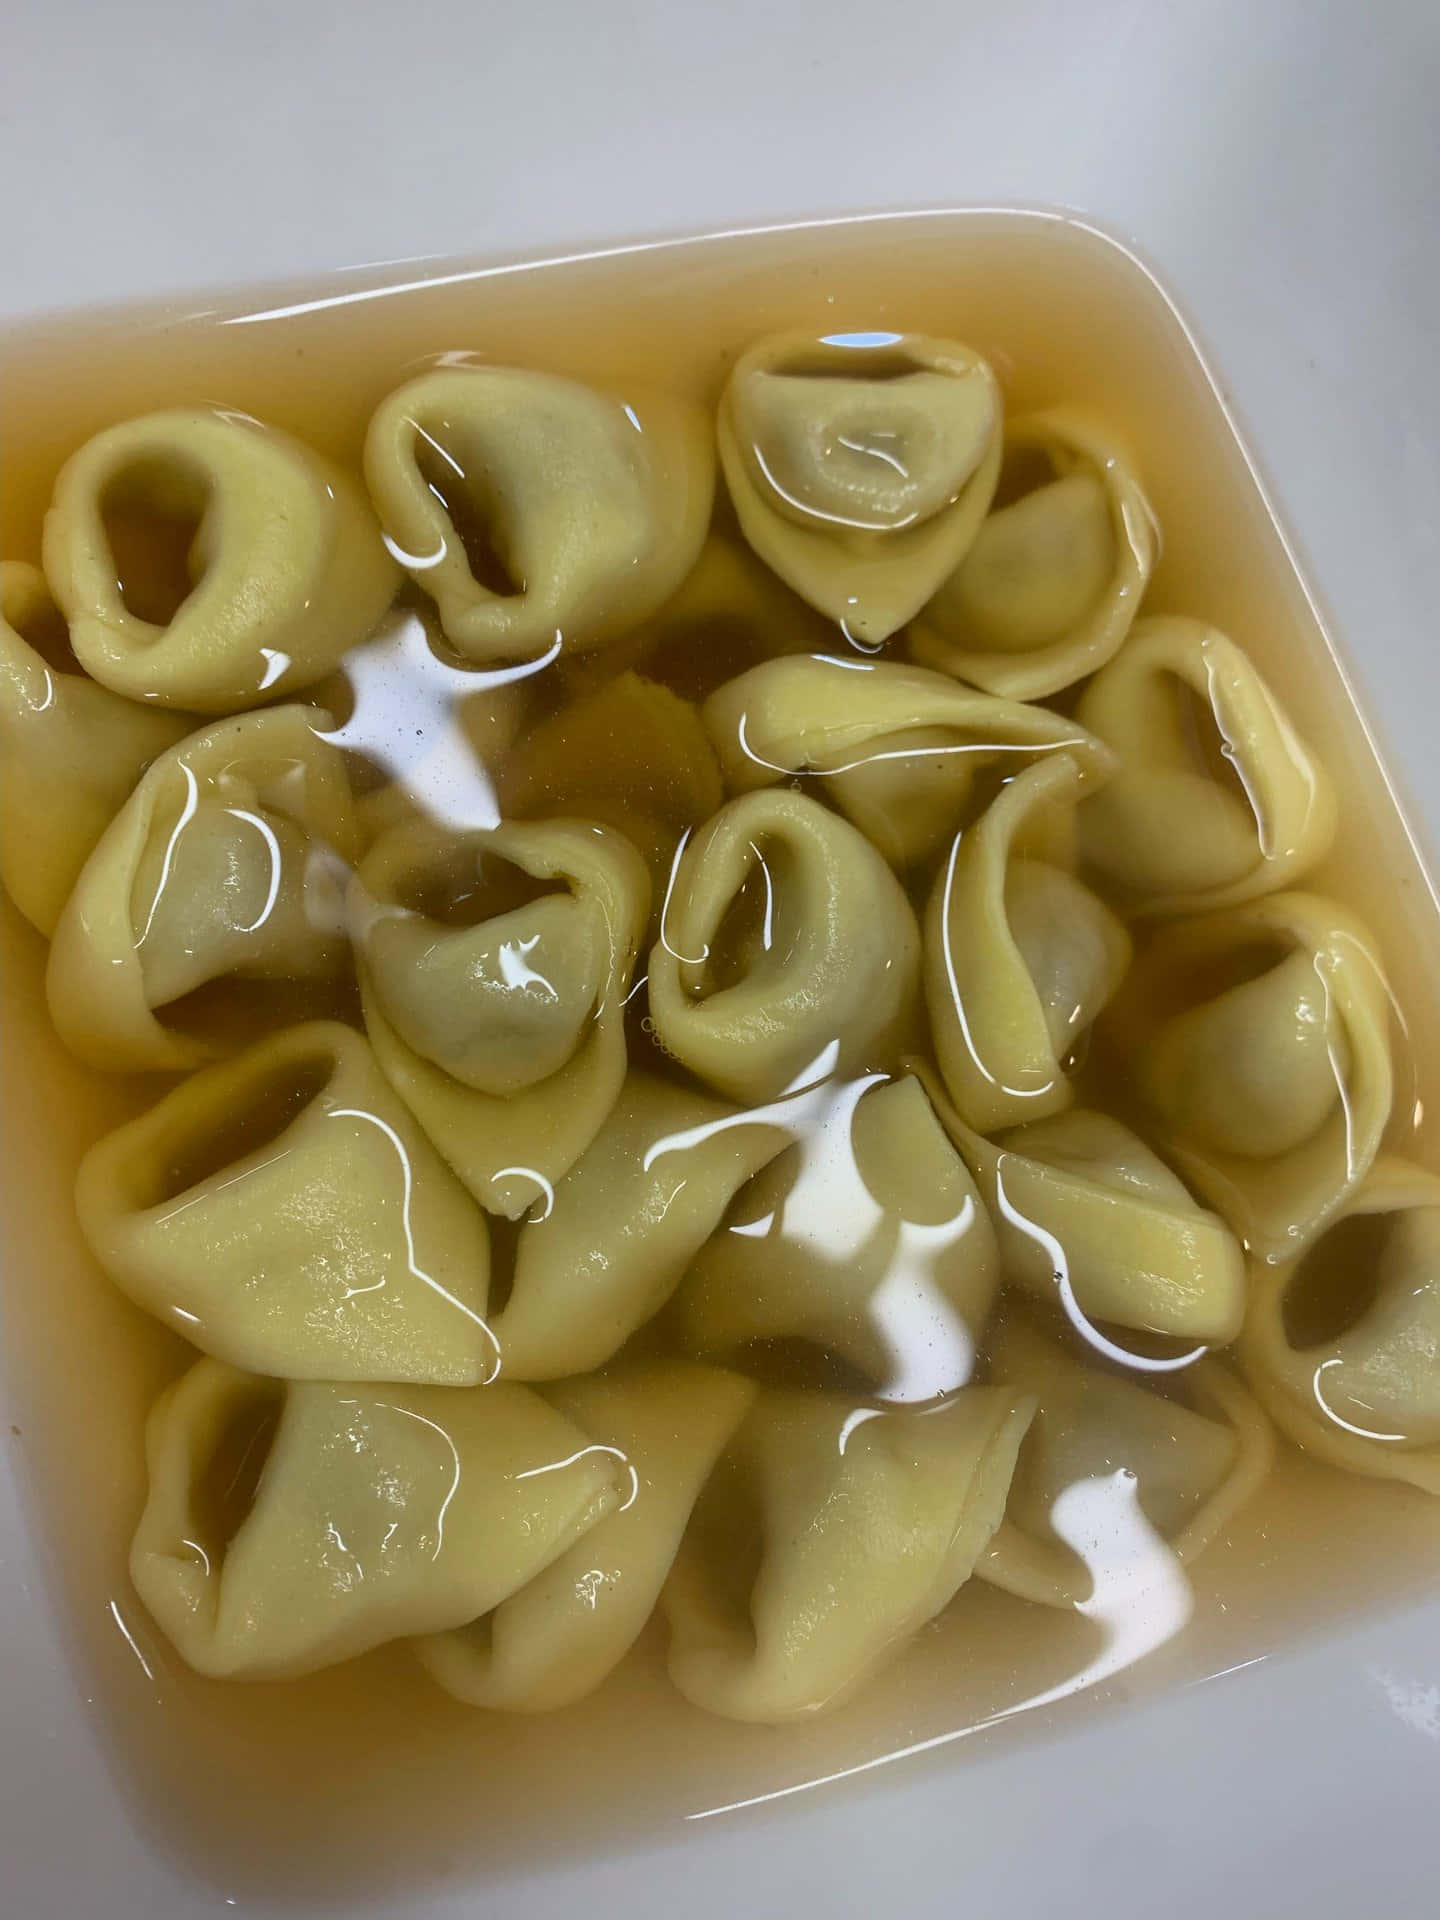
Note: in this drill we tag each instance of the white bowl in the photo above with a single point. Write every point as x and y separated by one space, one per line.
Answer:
1285 177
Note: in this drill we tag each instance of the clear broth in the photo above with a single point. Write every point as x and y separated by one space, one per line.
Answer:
367 1777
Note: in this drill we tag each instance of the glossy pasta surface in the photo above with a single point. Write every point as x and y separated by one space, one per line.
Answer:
731 1034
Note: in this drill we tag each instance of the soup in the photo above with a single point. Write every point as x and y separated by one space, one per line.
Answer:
734 1117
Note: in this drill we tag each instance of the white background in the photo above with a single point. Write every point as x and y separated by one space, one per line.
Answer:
1279 163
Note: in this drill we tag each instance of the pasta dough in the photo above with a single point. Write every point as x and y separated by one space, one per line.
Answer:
583 513
867 1521
1049 587
633 755
377 1512
1020 957
820 974
1261 1038
70 751
1195 1460
1218 800
861 467
897 749
286 566
1085 1210
557 1638
611 1246
501 1027
284 1212
1359 1389
867 1237
225 864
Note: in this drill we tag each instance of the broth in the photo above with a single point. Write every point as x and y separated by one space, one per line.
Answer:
367 1775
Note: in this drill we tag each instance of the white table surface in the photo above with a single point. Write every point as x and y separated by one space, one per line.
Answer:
1278 161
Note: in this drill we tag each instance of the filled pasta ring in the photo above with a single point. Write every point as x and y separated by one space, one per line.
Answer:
787 948
1054 577
1090 1219
214 902
1218 800
866 1237
283 1212
1192 1456
1261 1039
898 749
536 511
1340 1344
70 750
559 1636
283 568
861 467
294 1524
815 1493
1020 958
493 971
604 1253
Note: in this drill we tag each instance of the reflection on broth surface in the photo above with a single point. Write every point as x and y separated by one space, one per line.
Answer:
725 1049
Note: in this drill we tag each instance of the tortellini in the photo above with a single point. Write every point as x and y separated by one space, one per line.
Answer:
1261 1038
1195 1460
633 755
862 1523
283 571
1218 800
225 867
787 949
605 1254
557 1638
1051 583
70 751
1086 1212
866 1237
1020 957
284 1212
293 1525
861 467
537 511
1341 1344
494 968
897 749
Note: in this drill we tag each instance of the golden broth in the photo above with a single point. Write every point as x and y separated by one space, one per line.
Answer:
368 1775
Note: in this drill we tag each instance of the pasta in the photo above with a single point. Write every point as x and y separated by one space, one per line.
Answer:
680 1075
860 467
609 1249
1048 588
1340 1344
501 1025
822 967
1261 1038
284 567
867 1237
1086 1213
1020 957
224 865
534 510
868 1521
376 1513
556 1639
284 1213
1194 1461
70 751
631 754
896 748
1217 800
